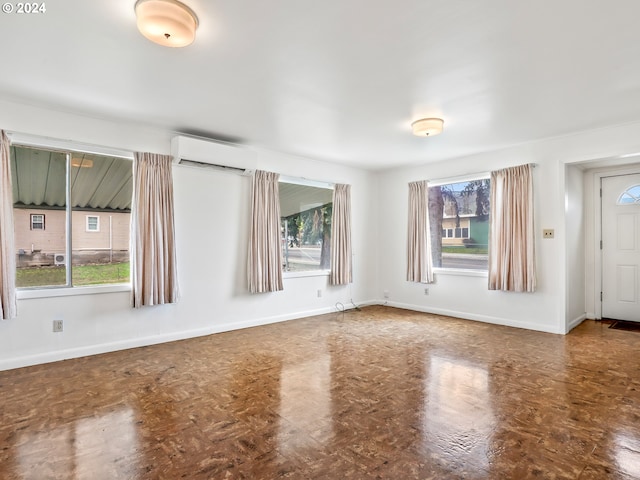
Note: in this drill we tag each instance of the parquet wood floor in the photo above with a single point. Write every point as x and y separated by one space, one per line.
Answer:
382 393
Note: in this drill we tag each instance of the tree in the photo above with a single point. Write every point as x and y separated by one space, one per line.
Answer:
325 250
482 190
294 228
436 209
445 194
449 198
311 227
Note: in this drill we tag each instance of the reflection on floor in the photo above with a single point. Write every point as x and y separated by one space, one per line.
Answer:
381 393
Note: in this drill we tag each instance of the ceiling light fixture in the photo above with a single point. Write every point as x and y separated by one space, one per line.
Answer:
81 163
167 22
427 127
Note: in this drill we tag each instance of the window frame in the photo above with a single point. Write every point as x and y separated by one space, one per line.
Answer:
309 183
68 148
87 224
463 272
627 192
32 223
445 232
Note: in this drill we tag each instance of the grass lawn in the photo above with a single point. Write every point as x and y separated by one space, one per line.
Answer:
82 275
469 250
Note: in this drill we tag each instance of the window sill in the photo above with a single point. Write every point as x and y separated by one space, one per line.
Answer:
28 293
310 273
461 272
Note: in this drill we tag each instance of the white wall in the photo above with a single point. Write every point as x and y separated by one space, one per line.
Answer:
548 309
575 245
467 296
212 216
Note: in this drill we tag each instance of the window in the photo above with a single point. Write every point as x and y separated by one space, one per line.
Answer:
459 221
78 192
93 223
37 221
305 211
631 196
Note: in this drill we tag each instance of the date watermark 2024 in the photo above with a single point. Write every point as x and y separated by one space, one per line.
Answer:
24 8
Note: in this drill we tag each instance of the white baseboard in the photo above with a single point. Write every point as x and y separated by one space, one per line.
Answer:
65 354
508 322
576 321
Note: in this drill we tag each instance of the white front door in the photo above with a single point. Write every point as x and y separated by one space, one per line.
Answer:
621 247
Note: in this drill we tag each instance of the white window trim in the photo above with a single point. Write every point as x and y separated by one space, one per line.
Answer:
306 273
308 183
36 141
460 179
68 146
462 229
454 233
97 223
32 222
27 293
462 272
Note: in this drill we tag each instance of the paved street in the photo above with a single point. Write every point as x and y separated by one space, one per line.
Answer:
309 256
466 261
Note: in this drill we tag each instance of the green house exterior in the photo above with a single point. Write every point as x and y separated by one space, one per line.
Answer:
479 231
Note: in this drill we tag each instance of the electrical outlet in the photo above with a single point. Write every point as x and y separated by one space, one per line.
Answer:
547 233
426 291
57 326
319 293
386 294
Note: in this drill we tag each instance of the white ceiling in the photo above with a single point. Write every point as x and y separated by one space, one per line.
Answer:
340 80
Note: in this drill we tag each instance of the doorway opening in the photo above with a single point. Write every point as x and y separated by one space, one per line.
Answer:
620 246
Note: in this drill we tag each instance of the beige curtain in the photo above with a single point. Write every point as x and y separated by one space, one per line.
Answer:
153 253
8 304
419 261
511 235
265 252
341 270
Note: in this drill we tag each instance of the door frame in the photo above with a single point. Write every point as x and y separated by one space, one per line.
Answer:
598 175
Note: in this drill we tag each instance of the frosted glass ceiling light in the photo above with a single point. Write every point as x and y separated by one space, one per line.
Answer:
81 163
427 127
166 22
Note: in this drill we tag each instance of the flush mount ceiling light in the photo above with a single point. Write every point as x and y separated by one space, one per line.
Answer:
166 22
427 127
81 163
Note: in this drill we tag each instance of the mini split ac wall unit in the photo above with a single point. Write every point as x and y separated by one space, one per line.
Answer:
203 153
